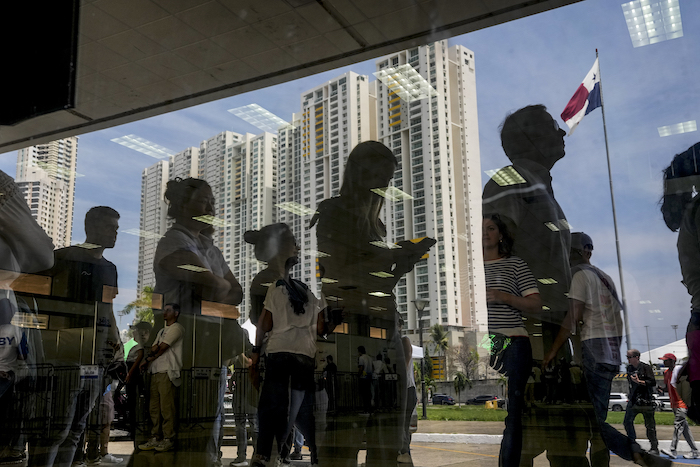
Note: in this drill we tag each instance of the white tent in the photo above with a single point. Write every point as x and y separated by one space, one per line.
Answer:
250 327
417 351
678 348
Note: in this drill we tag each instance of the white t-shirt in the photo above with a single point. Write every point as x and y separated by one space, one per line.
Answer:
12 342
602 322
291 332
365 361
171 360
378 367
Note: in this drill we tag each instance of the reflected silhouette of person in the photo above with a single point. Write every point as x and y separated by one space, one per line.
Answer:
681 214
24 248
361 270
192 272
533 142
522 195
188 243
87 283
292 320
511 290
595 303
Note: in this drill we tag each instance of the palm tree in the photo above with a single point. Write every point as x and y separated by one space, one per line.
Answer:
439 338
461 382
142 306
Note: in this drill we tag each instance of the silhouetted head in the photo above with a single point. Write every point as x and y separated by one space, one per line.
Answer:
531 133
171 311
272 241
500 235
101 225
329 358
370 165
189 198
361 350
680 180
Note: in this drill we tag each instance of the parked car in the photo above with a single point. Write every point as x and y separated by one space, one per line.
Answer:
442 399
481 400
662 403
618 402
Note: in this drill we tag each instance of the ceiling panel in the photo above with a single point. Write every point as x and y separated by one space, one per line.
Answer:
140 58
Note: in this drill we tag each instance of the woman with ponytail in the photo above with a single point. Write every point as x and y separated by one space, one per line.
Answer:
289 323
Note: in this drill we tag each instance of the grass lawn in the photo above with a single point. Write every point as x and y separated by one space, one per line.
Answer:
479 413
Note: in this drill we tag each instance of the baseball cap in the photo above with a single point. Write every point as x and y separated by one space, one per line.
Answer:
668 356
581 241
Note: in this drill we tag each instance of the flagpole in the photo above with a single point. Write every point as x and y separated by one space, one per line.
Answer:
625 314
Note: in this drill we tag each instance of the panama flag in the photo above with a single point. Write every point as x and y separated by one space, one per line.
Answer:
585 100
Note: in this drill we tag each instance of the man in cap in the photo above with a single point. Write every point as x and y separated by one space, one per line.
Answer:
680 409
594 301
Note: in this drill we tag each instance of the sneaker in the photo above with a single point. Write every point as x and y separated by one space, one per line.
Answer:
111 459
258 461
17 453
165 445
404 458
654 451
670 453
692 455
295 456
239 462
95 461
11 460
150 445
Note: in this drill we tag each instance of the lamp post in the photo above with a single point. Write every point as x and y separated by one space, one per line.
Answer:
675 329
420 306
648 346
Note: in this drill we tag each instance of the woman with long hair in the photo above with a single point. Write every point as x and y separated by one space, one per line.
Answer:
511 290
680 210
290 321
361 271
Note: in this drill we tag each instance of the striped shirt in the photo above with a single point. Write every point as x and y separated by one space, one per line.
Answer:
513 276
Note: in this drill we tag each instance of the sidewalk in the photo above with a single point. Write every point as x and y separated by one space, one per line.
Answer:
454 444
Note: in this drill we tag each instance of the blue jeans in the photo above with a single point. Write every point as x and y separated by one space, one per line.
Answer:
599 378
514 360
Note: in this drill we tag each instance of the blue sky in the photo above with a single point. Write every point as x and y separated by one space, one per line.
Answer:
539 59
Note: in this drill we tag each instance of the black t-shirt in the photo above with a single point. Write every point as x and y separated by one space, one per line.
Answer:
84 287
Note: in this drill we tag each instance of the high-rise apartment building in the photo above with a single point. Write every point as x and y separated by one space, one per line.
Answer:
334 117
242 171
435 138
46 177
434 135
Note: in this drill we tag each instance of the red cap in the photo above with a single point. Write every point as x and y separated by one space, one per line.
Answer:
668 356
